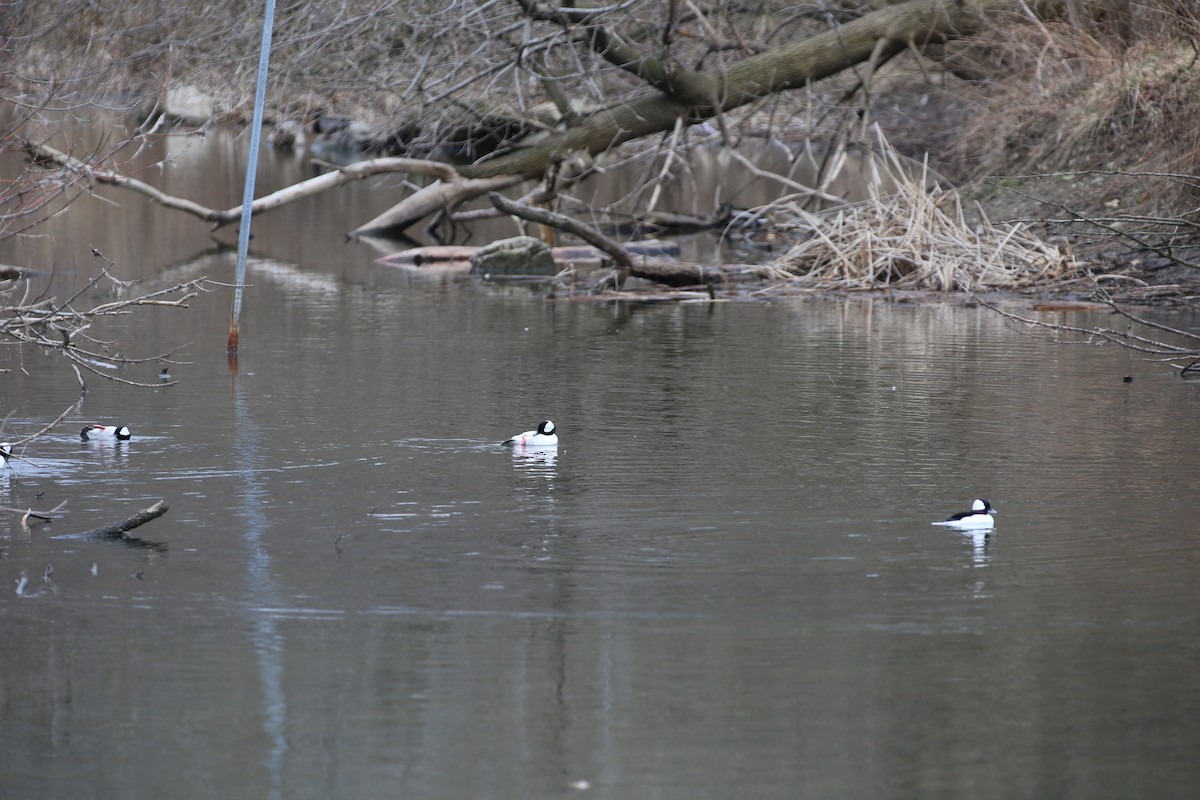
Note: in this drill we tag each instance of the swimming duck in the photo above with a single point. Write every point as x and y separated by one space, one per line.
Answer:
980 516
544 436
94 431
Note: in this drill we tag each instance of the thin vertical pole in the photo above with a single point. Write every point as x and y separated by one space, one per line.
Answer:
260 95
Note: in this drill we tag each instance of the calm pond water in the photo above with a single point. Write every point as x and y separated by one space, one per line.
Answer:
724 584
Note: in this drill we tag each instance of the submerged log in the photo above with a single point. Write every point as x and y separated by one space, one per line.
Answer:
118 530
457 258
669 273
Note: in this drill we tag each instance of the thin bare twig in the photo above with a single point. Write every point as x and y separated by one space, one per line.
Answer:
71 409
51 325
1130 338
45 516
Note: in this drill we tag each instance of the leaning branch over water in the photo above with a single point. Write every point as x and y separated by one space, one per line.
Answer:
1141 335
452 184
71 409
670 97
54 325
564 223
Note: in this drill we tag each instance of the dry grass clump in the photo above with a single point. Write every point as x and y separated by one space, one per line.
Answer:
1098 119
914 237
1069 94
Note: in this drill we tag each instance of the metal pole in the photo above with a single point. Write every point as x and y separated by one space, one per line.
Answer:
260 93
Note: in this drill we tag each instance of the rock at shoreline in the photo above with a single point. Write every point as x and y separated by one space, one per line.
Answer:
188 105
520 255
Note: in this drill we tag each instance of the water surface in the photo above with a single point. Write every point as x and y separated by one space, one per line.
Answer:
723 584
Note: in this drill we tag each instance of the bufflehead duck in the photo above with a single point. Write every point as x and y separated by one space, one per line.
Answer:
980 516
544 436
105 432
5 453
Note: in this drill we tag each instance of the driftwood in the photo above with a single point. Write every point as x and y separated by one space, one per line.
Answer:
457 257
118 530
29 513
664 272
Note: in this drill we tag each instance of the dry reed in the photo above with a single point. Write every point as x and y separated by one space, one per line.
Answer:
913 235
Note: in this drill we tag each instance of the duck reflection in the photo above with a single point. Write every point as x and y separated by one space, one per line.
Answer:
536 473
981 541
536 460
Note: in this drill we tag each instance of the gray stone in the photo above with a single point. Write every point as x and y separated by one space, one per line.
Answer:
189 105
521 255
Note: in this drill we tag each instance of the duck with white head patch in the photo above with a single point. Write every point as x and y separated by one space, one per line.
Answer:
546 435
95 431
5 453
978 518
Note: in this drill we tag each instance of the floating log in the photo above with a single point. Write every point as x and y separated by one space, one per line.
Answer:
457 258
120 530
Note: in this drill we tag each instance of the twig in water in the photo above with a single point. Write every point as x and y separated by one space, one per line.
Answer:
71 409
27 513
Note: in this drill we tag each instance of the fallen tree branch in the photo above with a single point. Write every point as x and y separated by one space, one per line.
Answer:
694 95
668 273
1110 225
117 530
40 151
329 180
441 195
29 513
564 223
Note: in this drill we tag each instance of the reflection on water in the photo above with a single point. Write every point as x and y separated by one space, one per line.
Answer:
723 584
539 463
265 637
980 542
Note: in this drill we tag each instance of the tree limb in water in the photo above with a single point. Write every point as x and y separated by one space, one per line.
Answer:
437 196
28 513
1130 337
664 272
71 409
117 530
564 223
670 96
289 194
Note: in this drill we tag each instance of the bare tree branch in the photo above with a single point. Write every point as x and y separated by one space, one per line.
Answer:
670 274
321 183
118 530
51 325
1129 338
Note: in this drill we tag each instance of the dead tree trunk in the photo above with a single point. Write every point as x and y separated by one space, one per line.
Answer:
698 95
